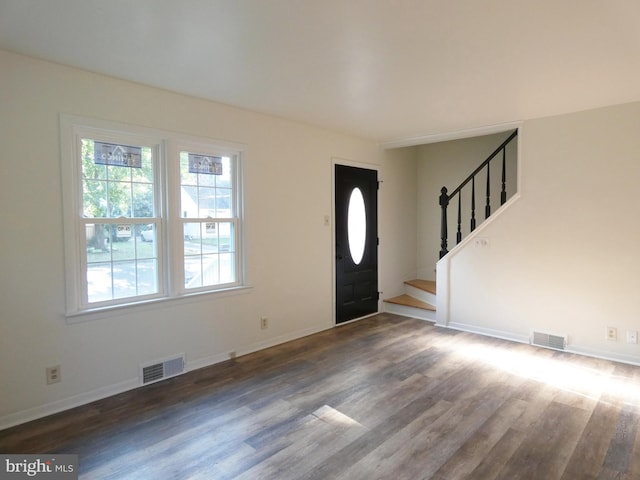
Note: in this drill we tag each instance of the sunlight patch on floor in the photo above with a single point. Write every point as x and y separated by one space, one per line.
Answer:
335 417
558 373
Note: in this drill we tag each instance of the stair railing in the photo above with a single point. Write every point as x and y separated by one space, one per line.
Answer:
445 197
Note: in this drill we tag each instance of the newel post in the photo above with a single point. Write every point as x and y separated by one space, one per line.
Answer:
444 203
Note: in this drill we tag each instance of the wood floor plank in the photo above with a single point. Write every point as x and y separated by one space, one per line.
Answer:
384 397
409 441
553 438
318 439
375 405
495 460
592 448
479 445
425 406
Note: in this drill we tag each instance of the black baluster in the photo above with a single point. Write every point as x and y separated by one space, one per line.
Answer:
445 198
459 233
473 203
487 208
503 193
444 202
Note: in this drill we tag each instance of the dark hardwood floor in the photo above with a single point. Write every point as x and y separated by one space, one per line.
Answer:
383 398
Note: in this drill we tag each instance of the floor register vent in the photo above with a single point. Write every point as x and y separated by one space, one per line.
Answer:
549 341
162 369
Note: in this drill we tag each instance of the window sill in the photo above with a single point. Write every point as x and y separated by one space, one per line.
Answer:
129 308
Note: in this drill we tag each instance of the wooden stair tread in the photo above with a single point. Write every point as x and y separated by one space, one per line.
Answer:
409 301
426 285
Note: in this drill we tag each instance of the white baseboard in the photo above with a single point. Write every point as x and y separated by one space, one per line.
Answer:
58 406
612 356
576 349
281 339
488 332
206 361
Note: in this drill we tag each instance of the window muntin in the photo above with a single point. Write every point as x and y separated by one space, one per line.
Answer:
118 199
122 269
126 239
209 220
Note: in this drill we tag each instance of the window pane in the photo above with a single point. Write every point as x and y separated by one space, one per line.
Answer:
99 282
124 279
227 268
109 190
186 177
119 199
143 205
206 194
224 180
145 173
147 271
122 247
119 263
94 199
205 180
97 241
192 234
146 241
209 237
224 203
109 281
192 271
206 202
91 170
209 254
117 173
210 273
189 202
226 242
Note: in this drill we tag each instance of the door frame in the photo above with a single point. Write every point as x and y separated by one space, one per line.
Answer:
368 166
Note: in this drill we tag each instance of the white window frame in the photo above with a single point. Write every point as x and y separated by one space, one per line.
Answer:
166 147
213 149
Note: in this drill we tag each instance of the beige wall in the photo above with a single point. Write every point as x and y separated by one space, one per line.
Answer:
564 257
399 206
289 251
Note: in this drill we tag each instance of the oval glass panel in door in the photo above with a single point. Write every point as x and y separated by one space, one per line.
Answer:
356 225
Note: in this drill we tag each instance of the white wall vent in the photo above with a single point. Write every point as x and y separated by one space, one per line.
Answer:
156 371
549 341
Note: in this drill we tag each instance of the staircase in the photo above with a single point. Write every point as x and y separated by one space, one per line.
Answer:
418 301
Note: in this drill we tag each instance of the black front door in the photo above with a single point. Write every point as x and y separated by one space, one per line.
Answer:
356 226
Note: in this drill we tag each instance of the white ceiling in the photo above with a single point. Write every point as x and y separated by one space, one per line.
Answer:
384 69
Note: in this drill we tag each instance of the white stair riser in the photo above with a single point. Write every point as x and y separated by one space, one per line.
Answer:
412 312
427 297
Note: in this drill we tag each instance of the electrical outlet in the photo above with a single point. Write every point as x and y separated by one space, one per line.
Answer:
612 333
632 336
264 323
53 374
481 242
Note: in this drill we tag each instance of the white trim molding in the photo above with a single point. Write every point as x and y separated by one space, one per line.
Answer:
455 135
